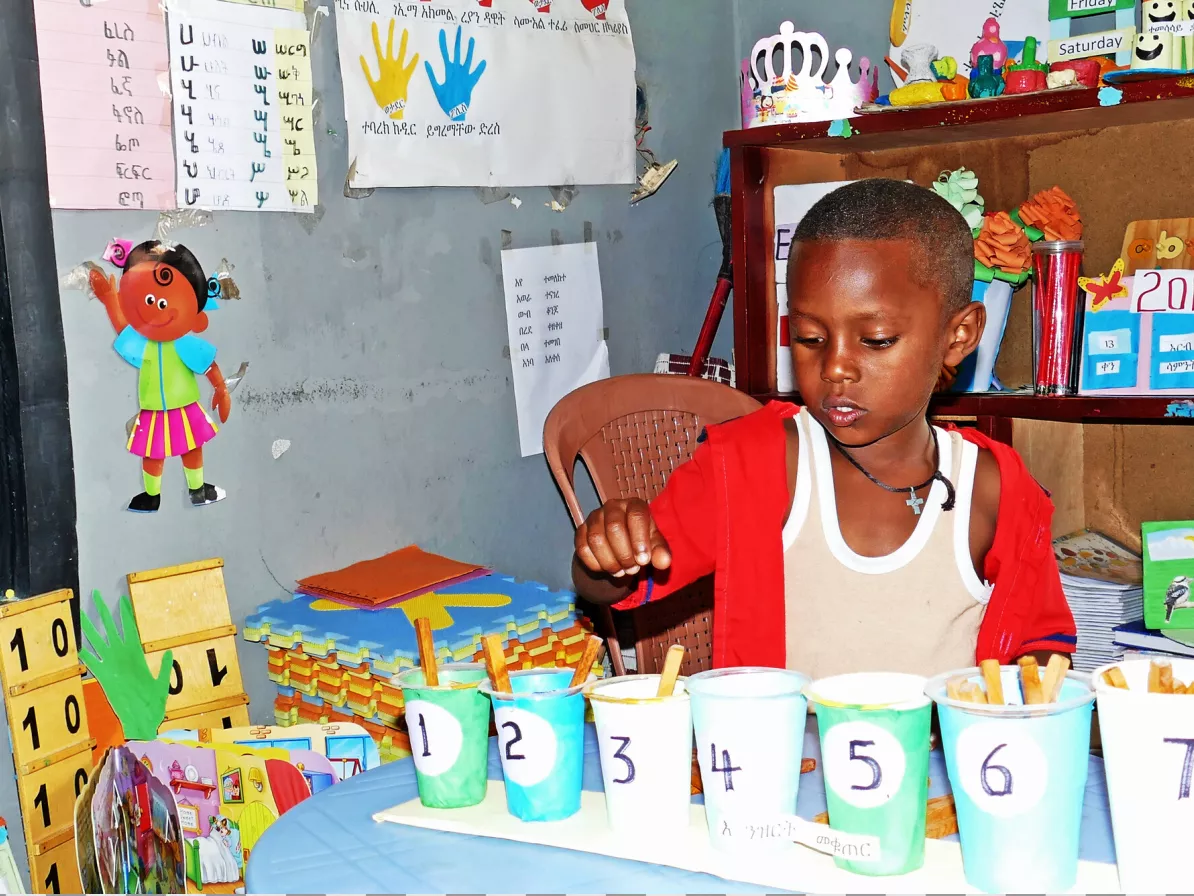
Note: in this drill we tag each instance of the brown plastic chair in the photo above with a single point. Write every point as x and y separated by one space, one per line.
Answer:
632 432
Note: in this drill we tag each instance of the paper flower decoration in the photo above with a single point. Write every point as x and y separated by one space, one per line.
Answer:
1053 212
1002 246
960 189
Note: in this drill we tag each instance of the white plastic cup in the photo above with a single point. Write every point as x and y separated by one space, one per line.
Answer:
1148 752
749 724
645 744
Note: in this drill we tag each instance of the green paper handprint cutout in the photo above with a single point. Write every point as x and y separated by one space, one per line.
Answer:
117 661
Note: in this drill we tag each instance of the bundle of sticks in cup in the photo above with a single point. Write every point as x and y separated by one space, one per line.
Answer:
1035 689
1160 679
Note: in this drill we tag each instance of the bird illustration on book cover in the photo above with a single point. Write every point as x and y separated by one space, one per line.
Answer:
1177 596
158 308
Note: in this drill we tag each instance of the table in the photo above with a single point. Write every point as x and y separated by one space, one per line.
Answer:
330 843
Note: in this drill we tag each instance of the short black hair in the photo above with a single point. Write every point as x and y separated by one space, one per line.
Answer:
181 259
882 209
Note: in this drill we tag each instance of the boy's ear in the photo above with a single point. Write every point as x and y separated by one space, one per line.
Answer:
201 322
965 330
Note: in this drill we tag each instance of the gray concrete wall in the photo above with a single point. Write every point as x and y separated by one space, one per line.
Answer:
376 342
376 339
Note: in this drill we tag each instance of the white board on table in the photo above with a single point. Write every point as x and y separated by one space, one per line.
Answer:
789 867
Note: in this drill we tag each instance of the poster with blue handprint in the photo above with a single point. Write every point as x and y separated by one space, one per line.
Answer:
507 93
456 91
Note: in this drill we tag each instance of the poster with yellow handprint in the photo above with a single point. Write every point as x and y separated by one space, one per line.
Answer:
393 73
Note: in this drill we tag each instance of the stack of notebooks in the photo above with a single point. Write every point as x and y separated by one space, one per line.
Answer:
1136 640
1102 581
335 649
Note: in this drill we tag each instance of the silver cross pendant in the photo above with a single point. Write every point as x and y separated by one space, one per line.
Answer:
914 502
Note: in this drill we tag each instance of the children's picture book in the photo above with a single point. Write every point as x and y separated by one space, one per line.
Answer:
135 825
226 796
1168 571
1092 555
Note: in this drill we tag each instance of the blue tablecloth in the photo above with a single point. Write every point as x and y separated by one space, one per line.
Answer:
330 843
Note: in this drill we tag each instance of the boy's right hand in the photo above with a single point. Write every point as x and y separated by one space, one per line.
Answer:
620 538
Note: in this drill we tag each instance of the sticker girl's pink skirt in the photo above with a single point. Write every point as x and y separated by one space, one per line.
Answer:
160 434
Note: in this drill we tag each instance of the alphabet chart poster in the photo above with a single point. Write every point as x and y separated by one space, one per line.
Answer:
557 341
106 103
487 92
240 77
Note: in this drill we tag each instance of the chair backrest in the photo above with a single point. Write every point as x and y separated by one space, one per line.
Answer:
632 432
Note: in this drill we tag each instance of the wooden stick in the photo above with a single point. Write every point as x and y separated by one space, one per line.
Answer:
671 670
495 663
1030 680
1160 677
994 680
973 692
427 652
1115 677
953 689
1054 677
587 659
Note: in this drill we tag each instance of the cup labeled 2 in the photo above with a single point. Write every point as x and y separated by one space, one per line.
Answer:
540 725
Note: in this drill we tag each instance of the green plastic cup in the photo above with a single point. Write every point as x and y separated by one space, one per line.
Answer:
449 734
875 752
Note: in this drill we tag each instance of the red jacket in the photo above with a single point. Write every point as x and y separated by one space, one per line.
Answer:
732 497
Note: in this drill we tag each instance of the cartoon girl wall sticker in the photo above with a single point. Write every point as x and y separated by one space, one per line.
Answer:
158 308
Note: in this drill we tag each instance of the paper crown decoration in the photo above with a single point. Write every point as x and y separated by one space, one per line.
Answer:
775 91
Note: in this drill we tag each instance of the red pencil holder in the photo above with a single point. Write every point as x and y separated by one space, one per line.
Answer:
1056 317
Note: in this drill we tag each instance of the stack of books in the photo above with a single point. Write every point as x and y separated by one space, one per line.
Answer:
1103 583
1133 639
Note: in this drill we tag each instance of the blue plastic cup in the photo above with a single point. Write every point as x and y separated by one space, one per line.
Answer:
1015 771
540 727
749 725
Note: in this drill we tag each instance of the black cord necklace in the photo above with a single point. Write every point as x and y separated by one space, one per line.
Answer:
913 501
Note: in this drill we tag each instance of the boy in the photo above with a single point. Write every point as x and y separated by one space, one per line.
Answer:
851 535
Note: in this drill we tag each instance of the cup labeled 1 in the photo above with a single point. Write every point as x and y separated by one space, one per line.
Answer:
449 734
749 725
1016 768
540 726
875 752
645 744
1148 753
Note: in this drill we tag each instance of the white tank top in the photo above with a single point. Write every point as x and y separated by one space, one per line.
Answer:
917 609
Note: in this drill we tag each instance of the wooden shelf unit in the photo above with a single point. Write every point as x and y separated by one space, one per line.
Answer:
1120 163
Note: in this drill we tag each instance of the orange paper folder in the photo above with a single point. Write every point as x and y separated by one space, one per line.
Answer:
403 574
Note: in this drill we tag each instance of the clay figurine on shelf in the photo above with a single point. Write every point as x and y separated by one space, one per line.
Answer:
953 84
1027 75
919 60
989 44
1065 77
1086 71
985 83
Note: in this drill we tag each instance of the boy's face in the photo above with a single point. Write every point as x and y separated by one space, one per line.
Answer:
868 340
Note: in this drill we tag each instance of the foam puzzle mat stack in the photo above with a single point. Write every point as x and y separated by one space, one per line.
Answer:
334 663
